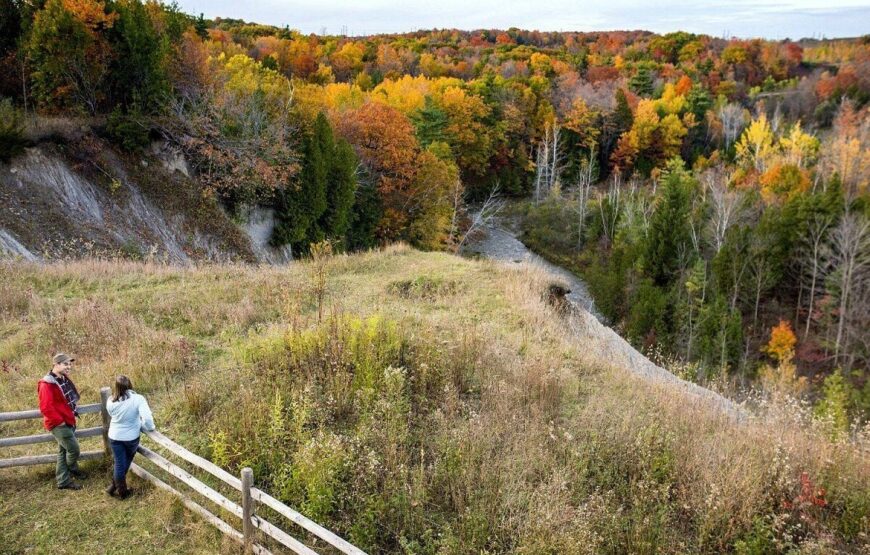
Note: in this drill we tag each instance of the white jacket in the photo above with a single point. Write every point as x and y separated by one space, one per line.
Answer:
129 417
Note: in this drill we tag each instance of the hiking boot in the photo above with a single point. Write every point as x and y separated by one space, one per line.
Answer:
123 491
70 485
113 488
81 475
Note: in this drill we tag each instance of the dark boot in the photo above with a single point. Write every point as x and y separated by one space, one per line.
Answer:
78 473
123 491
113 487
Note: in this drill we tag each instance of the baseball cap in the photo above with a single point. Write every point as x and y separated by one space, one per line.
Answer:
60 358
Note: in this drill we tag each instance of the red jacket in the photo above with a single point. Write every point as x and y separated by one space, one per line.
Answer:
52 404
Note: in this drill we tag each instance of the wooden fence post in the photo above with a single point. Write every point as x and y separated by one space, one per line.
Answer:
247 508
104 398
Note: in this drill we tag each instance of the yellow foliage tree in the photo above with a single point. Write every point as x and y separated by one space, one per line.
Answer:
756 146
541 63
581 120
646 121
347 60
343 96
798 147
672 132
468 135
407 94
243 79
671 102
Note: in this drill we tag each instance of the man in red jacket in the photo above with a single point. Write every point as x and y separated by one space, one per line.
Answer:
58 398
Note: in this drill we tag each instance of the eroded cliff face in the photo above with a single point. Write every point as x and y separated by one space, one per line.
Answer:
84 198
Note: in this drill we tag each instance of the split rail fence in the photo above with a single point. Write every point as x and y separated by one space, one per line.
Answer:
244 484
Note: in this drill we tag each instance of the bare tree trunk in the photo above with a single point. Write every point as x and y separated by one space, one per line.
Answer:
454 217
548 162
539 173
818 231
490 209
584 186
608 221
797 309
555 159
726 203
852 244
738 268
691 307
24 83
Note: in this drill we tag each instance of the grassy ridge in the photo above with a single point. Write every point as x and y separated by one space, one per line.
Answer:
438 405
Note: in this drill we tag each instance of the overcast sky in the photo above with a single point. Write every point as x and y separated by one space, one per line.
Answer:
776 19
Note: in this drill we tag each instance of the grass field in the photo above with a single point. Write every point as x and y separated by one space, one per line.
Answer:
413 402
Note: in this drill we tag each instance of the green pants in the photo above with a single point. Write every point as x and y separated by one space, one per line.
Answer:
67 454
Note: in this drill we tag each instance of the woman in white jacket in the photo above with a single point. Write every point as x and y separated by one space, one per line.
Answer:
130 414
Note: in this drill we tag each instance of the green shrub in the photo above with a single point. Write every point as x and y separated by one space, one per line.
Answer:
833 408
12 140
128 129
648 314
424 287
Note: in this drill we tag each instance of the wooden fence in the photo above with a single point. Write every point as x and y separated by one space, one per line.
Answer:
249 495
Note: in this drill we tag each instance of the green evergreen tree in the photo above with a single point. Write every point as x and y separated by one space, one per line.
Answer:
319 204
623 116
642 81
730 274
302 203
699 102
137 71
668 242
430 122
341 187
720 335
269 62
366 213
200 25
647 321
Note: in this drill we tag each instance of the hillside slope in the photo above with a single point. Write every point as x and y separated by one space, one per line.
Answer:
76 195
428 404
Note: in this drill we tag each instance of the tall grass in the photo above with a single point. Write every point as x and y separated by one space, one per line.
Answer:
438 406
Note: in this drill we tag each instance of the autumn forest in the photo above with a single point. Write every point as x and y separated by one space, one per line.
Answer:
712 192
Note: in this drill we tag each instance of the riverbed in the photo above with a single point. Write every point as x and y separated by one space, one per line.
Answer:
601 342
499 243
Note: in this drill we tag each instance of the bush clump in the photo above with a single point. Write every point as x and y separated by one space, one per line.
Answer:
12 140
128 129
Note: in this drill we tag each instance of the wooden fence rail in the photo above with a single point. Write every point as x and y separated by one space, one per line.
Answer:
31 414
43 438
245 485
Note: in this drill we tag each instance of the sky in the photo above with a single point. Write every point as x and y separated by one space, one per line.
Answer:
772 19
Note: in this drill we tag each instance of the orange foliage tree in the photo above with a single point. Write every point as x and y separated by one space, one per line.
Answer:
782 341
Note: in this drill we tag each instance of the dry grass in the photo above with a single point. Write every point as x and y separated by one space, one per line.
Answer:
492 430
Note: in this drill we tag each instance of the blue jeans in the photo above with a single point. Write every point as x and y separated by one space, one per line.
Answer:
124 452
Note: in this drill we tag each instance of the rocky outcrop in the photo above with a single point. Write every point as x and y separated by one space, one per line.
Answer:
61 200
11 248
259 222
